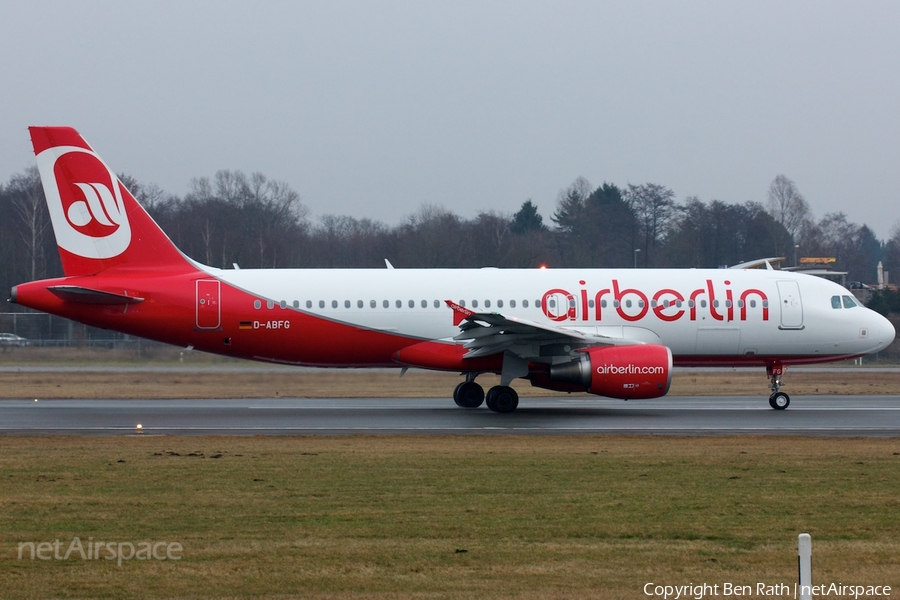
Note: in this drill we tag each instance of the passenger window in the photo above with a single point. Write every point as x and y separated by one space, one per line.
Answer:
512 303
334 304
321 304
309 304
524 303
412 303
269 304
487 303
283 304
359 304
474 303
835 302
437 303
399 303
372 304
848 302
703 304
385 304
257 304
424 303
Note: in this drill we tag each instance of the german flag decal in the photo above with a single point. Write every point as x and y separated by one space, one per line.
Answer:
246 325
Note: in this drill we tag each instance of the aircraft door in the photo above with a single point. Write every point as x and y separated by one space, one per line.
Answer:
791 307
208 310
559 306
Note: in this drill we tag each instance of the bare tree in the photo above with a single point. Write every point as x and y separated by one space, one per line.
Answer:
653 206
892 251
28 200
490 236
788 207
433 237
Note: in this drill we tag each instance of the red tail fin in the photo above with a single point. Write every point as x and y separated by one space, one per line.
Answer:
97 222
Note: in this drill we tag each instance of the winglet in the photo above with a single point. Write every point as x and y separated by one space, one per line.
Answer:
459 312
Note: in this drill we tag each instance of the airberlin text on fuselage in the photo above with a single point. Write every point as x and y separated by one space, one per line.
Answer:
632 304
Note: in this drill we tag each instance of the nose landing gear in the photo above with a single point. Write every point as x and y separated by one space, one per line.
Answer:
778 400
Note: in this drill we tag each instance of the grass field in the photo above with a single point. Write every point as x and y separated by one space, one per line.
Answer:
447 517
433 517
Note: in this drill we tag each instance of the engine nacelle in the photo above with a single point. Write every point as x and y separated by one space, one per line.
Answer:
626 372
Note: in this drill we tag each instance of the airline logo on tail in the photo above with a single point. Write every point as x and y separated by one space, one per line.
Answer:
85 202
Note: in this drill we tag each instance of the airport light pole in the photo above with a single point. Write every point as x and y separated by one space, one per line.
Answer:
636 250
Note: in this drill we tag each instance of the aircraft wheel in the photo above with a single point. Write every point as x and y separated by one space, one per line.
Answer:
779 401
468 394
502 399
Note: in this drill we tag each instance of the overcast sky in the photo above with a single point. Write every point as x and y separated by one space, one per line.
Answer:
374 109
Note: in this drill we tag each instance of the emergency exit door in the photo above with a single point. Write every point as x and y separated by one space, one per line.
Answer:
209 313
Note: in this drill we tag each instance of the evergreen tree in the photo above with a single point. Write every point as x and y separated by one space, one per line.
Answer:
527 219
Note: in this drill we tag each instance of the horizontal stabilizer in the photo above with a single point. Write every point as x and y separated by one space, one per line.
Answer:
74 293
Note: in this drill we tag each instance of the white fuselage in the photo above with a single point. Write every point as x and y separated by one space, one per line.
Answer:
695 312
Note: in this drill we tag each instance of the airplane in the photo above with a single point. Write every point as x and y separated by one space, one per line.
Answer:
616 333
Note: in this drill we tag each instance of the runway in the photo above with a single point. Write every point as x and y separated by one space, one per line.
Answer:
739 415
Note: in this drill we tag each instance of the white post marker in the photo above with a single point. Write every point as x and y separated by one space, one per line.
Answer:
804 565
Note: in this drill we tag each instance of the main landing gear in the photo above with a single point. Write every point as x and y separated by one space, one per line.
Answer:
500 398
778 400
468 394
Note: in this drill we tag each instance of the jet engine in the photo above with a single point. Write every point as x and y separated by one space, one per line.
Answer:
626 372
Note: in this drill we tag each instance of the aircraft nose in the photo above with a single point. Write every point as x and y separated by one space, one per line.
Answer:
884 333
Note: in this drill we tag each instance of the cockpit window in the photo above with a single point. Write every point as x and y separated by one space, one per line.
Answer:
835 302
848 302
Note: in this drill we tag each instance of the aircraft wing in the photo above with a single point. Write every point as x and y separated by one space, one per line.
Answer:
759 263
493 333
